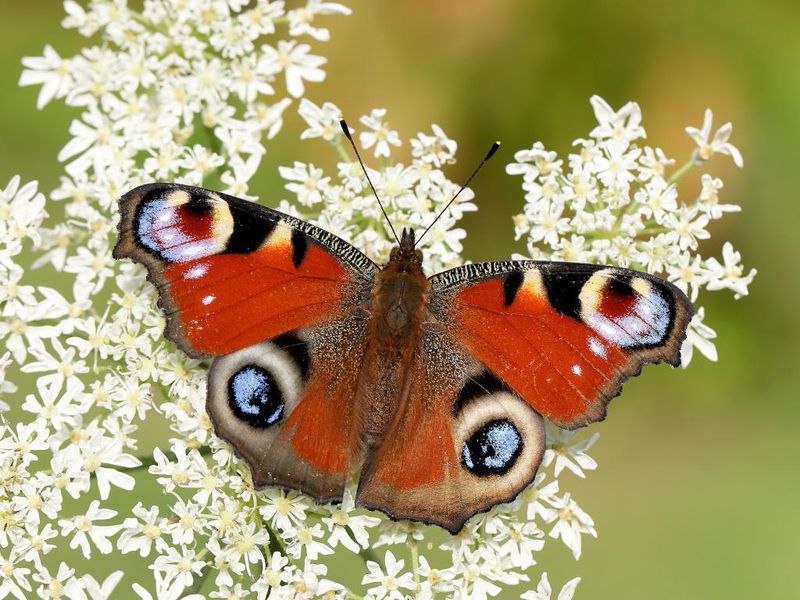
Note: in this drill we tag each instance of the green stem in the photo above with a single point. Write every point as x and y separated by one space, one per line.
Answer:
139 18
415 563
368 554
275 542
341 151
682 171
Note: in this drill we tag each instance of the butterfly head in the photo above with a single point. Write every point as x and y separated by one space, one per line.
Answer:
405 252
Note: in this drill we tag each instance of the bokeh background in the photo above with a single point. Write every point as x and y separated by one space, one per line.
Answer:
698 490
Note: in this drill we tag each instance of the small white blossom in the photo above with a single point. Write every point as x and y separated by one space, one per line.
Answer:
378 133
571 522
84 528
543 591
390 580
719 144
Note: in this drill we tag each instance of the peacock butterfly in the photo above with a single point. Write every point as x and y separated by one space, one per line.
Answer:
437 385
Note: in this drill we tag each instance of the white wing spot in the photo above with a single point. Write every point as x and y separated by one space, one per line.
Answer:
196 272
577 369
597 347
209 299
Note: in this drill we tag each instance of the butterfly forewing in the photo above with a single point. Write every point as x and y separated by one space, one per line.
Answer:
231 273
564 336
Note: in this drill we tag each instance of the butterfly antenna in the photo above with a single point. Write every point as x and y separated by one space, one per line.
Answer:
489 155
349 137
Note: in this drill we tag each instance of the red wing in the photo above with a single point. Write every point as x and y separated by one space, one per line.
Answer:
287 406
231 273
563 336
460 442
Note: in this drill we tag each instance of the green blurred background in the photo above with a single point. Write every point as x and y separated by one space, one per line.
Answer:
698 491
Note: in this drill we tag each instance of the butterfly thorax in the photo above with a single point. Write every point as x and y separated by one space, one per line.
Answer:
400 298
400 294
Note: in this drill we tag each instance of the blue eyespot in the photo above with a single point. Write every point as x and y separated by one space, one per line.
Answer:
255 397
493 449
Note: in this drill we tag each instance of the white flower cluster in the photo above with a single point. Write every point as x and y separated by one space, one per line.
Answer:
103 368
181 91
178 92
614 202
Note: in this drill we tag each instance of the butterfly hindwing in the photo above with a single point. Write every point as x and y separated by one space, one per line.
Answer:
461 442
231 273
286 405
564 336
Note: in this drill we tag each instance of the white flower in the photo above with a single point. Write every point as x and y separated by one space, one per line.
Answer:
63 584
84 528
178 566
51 72
310 182
730 273
141 533
13 578
6 387
518 543
301 19
389 579
303 540
561 452
571 522
297 65
544 591
700 336
623 125
379 135
717 145
346 528
283 509
21 214
709 198
434 581
100 450
437 149
323 121
101 591
168 587
615 167
56 409
475 580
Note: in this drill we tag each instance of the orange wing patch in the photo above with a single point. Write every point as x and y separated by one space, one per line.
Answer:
229 301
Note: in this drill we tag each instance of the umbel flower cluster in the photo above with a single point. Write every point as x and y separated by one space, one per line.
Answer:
105 446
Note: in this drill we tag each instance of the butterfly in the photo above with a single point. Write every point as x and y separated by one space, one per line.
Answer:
437 387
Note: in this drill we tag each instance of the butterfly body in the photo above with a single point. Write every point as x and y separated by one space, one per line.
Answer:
396 317
436 387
